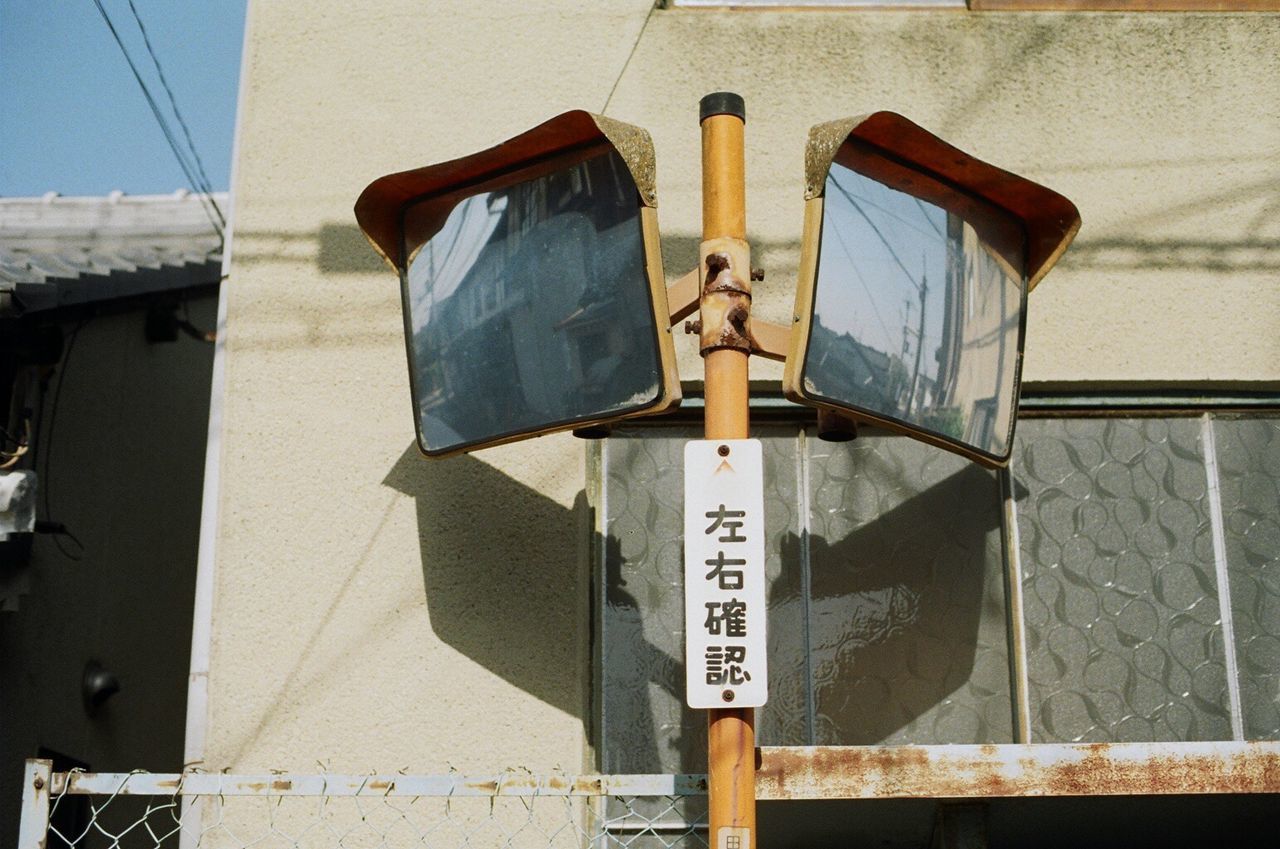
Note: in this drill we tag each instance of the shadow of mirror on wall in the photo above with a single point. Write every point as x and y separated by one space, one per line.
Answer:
887 621
502 570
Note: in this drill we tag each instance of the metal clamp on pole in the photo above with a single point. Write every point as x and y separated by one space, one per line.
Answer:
726 347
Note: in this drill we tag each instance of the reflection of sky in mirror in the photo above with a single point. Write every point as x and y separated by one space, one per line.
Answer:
914 318
880 247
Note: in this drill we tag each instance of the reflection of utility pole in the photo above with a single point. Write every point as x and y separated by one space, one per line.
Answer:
898 382
906 329
915 372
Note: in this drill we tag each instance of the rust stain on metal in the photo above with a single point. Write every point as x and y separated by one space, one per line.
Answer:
726 305
588 786
518 782
381 784
995 771
281 784
1096 772
852 764
483 786
721 277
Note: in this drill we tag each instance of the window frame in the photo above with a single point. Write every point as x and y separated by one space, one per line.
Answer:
1203 766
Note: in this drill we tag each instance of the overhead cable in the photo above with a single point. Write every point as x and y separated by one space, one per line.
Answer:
207 202
206 185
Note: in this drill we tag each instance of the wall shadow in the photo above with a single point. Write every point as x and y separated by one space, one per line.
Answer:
501 567
343 249
896 611
906 623
633 664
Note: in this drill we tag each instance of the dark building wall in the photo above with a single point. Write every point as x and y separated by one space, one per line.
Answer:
121 463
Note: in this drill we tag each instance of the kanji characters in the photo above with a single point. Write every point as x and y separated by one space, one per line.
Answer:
724 665
728 579
727 616
730 520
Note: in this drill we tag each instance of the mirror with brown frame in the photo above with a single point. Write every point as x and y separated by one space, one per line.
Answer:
912 298
533 299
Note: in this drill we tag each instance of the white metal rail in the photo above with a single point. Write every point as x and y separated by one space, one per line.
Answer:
606 810
596 810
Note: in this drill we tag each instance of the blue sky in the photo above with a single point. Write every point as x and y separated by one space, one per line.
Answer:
73 119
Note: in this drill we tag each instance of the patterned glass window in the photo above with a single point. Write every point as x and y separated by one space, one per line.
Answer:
1144 554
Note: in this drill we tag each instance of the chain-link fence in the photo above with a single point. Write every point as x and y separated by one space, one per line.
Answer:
291 811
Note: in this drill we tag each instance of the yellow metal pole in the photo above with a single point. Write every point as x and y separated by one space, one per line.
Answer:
725 335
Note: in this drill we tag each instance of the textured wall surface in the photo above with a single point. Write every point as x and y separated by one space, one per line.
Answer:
374 610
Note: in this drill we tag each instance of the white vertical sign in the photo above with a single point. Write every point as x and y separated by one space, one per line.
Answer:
724 607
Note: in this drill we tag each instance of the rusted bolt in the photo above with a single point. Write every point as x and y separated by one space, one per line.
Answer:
723 450
727 695
757 274
694 326
39 782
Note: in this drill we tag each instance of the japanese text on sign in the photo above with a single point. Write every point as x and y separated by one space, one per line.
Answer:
724 574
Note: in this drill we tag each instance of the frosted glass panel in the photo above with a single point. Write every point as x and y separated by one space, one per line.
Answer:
908 622
646 725
1121 599
872 637
888 617
1249 469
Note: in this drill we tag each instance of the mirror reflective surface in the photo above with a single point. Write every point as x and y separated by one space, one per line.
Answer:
530 309
917 306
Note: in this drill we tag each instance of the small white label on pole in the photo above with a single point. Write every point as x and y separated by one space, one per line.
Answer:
724 607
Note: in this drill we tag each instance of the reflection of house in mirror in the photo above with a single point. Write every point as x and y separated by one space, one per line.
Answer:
872 378
550 268
977 355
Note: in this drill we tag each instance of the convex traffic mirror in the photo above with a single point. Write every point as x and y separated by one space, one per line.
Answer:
531 284
916 262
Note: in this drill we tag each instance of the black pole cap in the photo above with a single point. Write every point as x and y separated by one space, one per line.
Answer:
722 103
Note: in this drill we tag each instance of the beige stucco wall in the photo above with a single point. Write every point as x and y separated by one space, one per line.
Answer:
374 610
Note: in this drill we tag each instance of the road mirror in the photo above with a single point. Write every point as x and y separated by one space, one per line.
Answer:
532 285
915 267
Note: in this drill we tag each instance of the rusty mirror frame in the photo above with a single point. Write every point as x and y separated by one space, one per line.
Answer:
892 150
435 191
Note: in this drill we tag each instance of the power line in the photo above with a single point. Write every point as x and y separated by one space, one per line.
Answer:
932 223
206 185
44 443
206 199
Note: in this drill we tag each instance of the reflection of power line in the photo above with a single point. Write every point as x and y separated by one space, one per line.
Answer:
853 266
879 235
906 221
932 223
